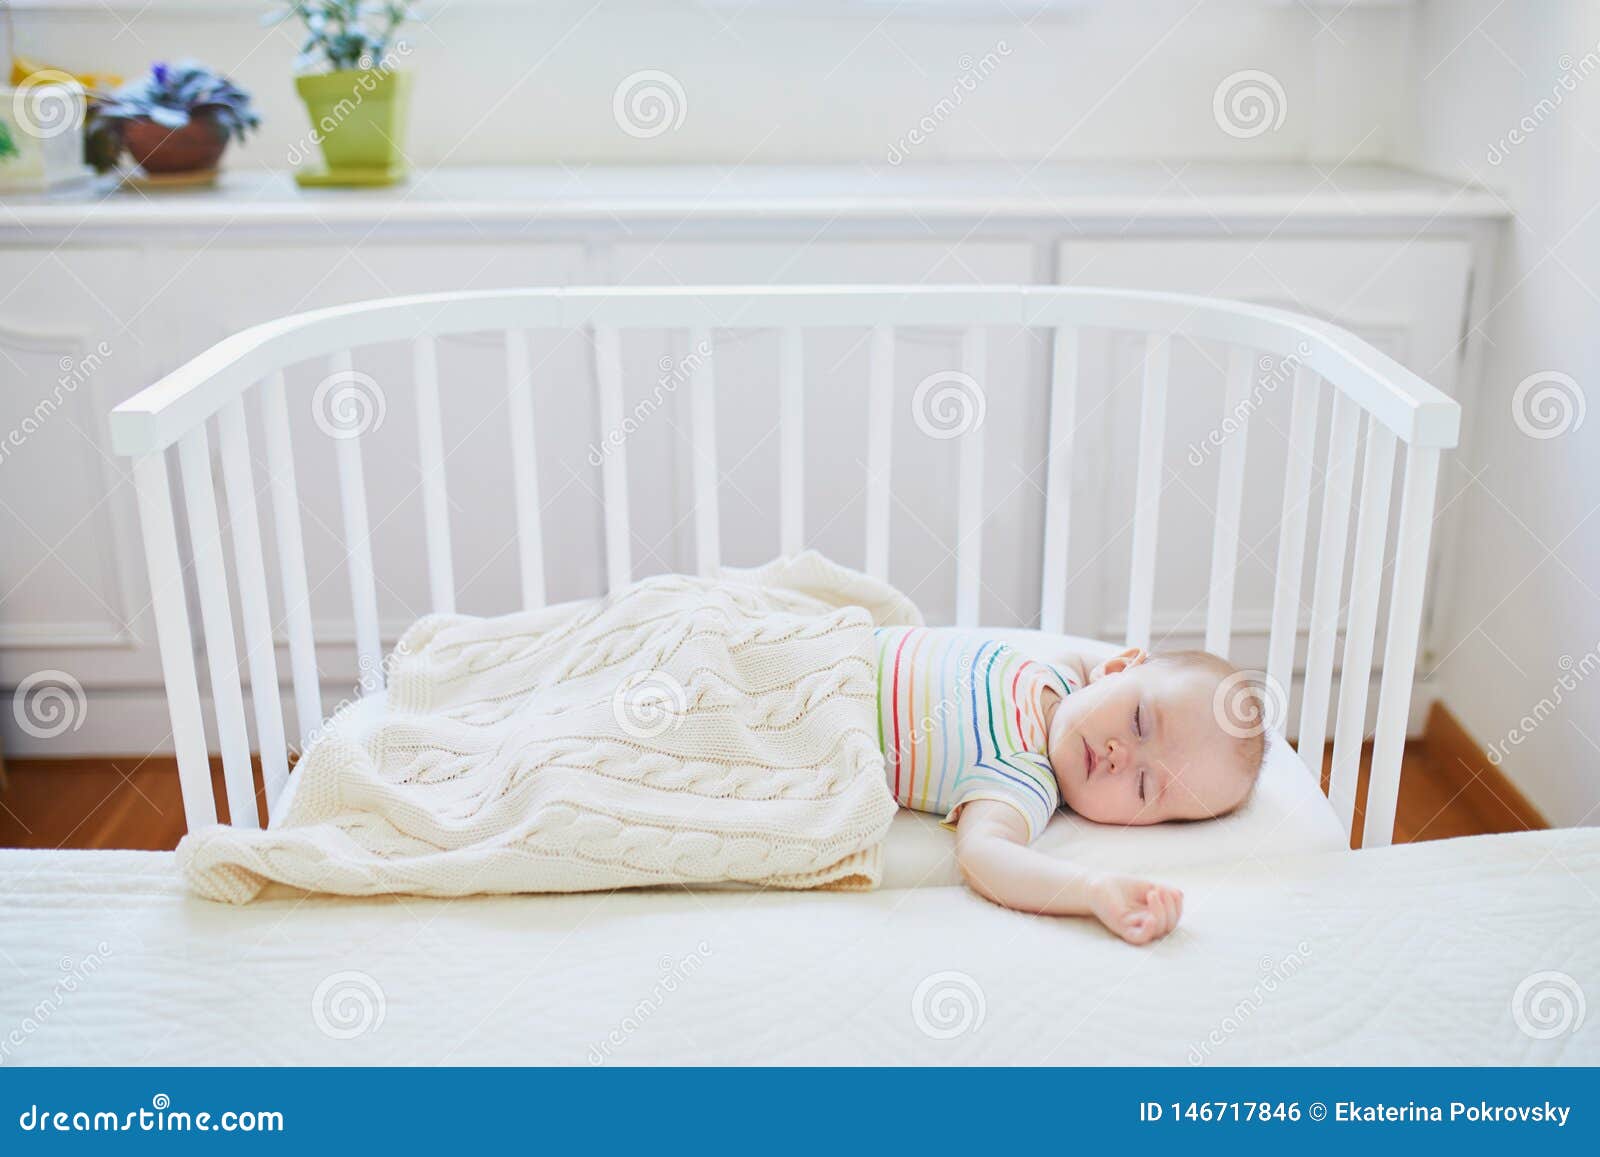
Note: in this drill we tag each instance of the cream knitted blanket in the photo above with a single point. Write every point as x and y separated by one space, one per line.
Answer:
681 730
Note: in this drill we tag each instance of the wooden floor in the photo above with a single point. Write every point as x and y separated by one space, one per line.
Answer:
97 803
1447 789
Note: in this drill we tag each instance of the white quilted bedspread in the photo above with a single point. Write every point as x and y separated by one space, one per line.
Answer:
1465 951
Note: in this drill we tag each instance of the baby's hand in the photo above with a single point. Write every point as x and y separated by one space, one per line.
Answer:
1136 910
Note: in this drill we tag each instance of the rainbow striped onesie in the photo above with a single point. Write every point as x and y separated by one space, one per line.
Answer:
960 718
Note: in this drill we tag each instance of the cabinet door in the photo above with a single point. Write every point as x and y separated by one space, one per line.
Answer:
1405 296
923 467
73 335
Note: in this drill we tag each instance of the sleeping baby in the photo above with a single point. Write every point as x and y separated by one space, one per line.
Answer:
995 742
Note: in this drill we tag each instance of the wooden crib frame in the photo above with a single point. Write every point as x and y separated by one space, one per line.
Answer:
177 410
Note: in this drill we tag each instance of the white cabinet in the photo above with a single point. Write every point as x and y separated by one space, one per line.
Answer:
157 280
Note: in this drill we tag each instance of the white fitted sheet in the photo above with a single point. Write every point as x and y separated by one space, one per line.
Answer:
1398 956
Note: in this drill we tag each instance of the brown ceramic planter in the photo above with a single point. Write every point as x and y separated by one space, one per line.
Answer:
195 147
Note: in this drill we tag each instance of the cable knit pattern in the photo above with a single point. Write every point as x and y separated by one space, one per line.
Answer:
681 730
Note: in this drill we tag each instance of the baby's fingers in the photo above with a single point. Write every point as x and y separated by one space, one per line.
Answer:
1168 904
1138 927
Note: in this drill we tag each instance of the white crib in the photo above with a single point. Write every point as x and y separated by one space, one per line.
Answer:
179 410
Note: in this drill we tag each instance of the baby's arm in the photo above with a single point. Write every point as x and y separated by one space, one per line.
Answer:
992 849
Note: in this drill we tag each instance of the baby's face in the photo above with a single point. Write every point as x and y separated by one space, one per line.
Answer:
1143 746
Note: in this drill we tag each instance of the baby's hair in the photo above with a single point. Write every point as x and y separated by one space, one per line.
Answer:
1240 704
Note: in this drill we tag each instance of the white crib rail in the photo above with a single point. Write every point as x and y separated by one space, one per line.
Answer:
1398 407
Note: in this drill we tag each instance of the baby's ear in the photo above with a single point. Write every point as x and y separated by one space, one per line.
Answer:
1117 663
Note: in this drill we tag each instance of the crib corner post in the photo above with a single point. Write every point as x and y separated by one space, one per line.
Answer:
1400 645
174 641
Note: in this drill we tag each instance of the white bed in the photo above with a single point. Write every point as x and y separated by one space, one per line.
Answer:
1292 947
803 978
1411 954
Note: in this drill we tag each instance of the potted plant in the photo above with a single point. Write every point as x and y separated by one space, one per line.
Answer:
357 98
175 121
41 120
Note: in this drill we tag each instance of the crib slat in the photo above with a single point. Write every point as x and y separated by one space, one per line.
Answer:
216 620
524 467
1332 541
1292 530
1230 500
170 609
291 558
1147 489
703 444
1366 578
791 442
880 409
430 454
1058 479
614 463
1400 642
260 659
969 482
358 546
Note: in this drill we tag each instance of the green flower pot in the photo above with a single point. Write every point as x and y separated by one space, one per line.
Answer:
358 117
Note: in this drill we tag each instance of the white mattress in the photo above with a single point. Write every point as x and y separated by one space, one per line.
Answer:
1405 955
